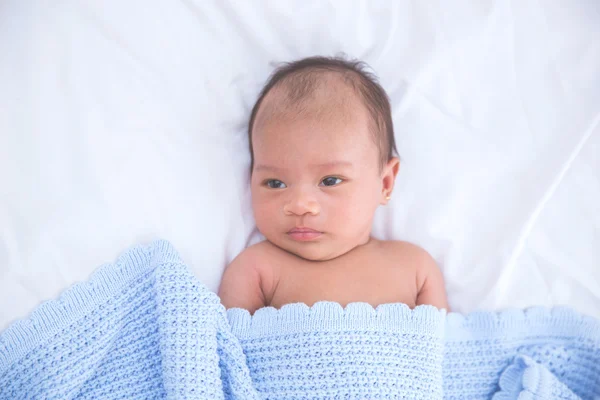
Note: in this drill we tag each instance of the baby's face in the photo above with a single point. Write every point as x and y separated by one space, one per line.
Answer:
316 183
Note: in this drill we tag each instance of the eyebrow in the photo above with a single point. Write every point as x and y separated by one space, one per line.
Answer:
331 164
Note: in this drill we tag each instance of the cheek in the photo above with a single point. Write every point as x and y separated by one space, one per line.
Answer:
354 209
265 210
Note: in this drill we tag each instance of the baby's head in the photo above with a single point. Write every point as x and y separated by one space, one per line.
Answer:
322 146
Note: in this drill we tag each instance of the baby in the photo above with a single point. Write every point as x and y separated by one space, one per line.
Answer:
322 146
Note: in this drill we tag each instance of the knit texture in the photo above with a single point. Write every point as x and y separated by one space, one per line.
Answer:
393 352
141 328
145 327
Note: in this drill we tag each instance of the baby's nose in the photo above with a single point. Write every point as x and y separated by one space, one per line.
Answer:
302 203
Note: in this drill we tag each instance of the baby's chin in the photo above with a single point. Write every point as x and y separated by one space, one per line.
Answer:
311 251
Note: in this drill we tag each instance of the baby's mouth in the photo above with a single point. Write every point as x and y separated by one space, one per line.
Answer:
303 234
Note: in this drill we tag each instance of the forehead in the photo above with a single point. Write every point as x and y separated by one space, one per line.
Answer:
326 121
324 93
313 139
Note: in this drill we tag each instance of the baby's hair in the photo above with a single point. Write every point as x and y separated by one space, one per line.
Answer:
302 77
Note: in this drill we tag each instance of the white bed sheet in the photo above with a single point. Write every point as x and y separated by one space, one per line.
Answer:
121 122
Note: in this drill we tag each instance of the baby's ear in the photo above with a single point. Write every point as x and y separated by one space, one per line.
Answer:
389 177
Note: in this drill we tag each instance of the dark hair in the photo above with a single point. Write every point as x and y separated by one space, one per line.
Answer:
303 75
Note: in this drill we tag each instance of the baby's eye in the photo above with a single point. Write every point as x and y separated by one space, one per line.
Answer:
331 181
275 184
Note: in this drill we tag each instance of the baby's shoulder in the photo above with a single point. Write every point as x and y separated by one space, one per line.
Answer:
261 252
407 253
262 256
399 247
429 278
248 282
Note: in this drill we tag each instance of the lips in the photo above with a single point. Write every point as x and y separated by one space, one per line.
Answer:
303 234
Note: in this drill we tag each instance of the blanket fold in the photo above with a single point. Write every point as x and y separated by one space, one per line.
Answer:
145 327
527 380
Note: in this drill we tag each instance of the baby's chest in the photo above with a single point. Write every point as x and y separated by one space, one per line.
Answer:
375 283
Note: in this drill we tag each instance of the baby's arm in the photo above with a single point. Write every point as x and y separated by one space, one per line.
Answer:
241 283
432 289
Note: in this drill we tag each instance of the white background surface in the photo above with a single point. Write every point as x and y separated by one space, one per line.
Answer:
124 121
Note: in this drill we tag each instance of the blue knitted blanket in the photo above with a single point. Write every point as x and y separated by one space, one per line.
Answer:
145 327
